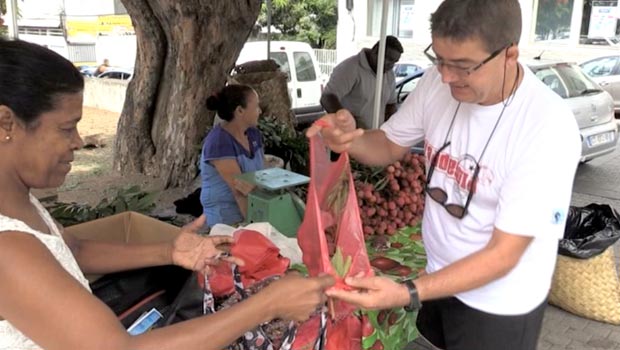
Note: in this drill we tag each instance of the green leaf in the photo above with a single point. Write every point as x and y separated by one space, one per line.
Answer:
369 341
301 268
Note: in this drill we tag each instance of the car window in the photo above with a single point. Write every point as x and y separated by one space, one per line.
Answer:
550 77
406 88
282 61
405 69
567 80
601 67
110 75
304 66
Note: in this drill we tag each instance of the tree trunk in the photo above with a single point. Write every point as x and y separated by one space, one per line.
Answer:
185 51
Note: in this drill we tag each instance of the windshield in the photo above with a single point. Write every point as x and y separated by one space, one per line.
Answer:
567 80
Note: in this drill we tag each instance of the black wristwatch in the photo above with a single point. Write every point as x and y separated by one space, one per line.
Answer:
414 299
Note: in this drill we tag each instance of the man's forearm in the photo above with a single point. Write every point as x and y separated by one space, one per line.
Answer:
373 148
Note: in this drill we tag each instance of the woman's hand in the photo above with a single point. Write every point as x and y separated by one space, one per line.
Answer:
195 252
296 297
373 293
337 129
243 187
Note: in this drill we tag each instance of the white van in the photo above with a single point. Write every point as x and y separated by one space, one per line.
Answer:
297 60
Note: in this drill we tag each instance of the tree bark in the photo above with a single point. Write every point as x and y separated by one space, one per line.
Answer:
185 51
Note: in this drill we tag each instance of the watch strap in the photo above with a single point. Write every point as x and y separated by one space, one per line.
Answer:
414 299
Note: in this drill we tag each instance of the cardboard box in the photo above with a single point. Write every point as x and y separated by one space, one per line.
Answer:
127 227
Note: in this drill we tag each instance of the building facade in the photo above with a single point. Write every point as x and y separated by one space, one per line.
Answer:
84 31
575 29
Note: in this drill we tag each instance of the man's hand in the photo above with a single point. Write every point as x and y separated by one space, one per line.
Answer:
338 130
372 293
195 252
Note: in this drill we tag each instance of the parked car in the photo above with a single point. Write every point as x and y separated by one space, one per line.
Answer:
591 105
305 81
405 85
117 73
600 41
606 72
403 69
87 71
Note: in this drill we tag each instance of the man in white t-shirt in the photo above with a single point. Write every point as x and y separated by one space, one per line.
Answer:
501 153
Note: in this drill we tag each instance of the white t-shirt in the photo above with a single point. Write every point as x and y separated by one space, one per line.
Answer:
524 185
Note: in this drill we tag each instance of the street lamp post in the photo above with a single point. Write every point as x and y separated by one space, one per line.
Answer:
11 11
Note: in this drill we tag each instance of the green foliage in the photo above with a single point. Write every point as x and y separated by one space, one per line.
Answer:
126 199
553 15
340 263
311 21
395 328
3 30
301 268
285 142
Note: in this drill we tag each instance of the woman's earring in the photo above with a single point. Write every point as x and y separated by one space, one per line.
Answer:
7 138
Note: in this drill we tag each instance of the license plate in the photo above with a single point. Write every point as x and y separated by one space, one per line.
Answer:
599 139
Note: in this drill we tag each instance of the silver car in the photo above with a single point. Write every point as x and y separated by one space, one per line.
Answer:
117 73
606 72
592 106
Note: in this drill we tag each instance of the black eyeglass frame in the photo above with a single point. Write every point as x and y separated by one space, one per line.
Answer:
465 71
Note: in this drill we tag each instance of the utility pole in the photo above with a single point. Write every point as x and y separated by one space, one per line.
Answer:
11 19
269 9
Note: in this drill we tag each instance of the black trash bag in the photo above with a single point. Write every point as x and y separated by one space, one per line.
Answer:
589 231
172 290
190 205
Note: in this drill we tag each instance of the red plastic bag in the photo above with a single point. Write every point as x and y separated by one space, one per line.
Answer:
332 210
262 259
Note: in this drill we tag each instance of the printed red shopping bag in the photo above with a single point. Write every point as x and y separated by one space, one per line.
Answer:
332 241
262 259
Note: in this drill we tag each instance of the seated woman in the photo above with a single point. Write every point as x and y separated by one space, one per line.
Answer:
45 301
231 148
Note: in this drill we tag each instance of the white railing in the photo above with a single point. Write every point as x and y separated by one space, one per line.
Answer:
327 60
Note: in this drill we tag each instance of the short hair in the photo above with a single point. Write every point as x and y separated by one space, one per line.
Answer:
390 42
32 77
496 23
228 99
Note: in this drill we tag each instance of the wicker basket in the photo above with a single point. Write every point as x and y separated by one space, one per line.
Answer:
272 89
588 287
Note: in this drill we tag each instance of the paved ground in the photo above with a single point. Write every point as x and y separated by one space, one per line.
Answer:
596 182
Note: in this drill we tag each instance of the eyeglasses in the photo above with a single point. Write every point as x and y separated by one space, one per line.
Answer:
458 70
440 196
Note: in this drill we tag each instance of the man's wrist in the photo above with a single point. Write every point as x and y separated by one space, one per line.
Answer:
413 301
